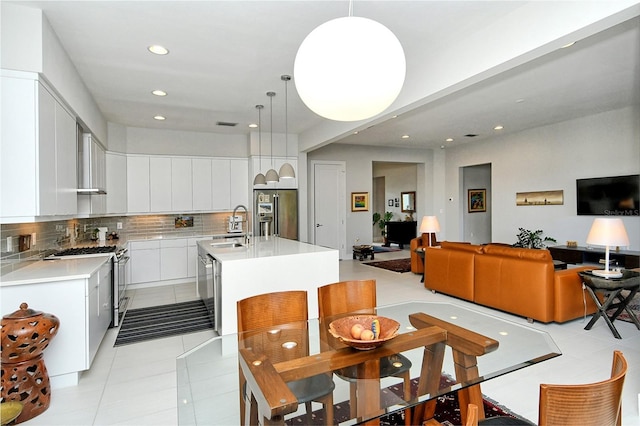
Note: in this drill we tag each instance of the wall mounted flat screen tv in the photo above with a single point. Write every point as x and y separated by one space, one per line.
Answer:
609 196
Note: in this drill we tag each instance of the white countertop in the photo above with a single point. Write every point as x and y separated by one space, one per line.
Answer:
260 247
42 271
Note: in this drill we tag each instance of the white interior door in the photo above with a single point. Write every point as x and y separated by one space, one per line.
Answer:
329 205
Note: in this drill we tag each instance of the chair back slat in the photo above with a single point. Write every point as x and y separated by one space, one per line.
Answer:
346 296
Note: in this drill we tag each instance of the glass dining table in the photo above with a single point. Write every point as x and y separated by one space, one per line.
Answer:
466 345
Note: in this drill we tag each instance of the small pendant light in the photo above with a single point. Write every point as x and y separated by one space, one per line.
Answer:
259 179
271 175
286 170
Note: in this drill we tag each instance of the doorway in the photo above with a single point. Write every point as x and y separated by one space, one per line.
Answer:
378 204
476 224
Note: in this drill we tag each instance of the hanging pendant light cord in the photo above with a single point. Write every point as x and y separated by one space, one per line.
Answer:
271 95
260 134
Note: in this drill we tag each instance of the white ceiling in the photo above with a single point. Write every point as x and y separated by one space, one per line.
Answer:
225 55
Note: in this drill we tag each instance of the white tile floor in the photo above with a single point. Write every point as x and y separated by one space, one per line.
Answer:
136 384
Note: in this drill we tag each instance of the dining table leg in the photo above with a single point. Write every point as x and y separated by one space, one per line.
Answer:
429 381
368 389
466 367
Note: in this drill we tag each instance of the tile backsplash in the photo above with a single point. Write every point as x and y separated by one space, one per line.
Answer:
56 235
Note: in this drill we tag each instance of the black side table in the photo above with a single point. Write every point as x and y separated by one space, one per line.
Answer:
612 289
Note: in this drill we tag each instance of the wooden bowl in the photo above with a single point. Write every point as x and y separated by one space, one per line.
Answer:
341 329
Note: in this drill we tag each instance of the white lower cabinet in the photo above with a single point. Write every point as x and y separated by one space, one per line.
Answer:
173 259
145 261
83 308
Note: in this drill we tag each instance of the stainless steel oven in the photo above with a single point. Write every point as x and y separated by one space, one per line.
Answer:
119 283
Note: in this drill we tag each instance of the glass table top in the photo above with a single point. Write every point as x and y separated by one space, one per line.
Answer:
208 375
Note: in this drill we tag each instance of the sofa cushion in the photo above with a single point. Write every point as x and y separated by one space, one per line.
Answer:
520 253
450 271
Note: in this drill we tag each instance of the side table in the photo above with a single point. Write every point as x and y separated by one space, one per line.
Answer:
420 252
612 289
361 252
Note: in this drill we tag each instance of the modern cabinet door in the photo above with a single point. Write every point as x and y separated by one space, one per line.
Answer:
202 184
138 197
160 183
116 183
99 308
173 259
221 181
66 162
46 152
145 261
181 185
239 183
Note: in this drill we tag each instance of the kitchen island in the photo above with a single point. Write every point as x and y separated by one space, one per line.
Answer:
267 264
78 292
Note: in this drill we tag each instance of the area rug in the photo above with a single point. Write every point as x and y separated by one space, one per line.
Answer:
395 265
634 306
447 408
382 249
156 322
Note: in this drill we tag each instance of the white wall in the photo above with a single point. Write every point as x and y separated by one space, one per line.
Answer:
547 158
359 172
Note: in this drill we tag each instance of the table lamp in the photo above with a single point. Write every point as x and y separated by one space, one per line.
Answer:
429 225
607 232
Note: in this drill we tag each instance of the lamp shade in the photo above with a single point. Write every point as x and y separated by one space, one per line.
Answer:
349 69
608 231
286 171
271 176
259 179
429 224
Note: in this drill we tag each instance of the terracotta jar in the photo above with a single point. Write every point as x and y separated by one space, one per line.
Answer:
26 333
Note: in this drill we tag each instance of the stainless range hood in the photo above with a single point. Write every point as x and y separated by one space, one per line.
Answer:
91 165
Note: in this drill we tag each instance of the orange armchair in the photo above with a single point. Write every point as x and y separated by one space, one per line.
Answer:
417 261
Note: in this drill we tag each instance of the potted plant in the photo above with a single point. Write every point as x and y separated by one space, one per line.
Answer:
382 223
532 239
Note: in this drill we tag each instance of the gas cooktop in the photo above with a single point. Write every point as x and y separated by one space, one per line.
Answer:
77 251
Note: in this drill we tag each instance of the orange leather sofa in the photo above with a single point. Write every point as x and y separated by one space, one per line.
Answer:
515 280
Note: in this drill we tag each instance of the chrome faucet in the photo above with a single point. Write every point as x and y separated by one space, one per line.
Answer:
246 232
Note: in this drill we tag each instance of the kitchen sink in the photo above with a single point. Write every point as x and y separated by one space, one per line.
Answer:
227 244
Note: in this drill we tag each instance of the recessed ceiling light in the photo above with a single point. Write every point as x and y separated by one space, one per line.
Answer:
448 140
498 127
356 132
159 118
394 116
405 136
519 101
158 50
253 125
159 93
568 45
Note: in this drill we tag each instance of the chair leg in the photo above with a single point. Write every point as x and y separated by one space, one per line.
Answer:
309 409
353 400
327 401
407 395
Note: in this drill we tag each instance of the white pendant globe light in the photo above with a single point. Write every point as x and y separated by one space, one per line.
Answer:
349 69
271 176
259 179
286 170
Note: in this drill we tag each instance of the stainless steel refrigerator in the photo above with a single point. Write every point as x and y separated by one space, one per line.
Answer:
276 213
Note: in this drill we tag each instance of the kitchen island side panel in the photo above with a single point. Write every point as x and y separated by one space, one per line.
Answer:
249 277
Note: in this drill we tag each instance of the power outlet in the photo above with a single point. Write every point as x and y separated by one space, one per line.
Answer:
119 225
9 244
33 239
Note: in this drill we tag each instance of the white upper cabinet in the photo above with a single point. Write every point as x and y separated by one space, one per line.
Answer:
202 184
37 151
160 183
116 183
239 183
221 183
138 183
181 185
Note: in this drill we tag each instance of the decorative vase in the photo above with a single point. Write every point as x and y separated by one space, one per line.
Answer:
26 333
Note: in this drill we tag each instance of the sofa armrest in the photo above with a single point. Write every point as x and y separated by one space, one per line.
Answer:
571 300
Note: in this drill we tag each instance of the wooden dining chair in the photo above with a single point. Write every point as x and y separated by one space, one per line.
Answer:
592 404
288 309
359 296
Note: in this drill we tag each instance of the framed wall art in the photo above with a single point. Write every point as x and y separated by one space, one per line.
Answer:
359 201
477 200
540 198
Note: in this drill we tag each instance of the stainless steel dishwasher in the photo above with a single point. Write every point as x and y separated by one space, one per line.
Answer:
205 280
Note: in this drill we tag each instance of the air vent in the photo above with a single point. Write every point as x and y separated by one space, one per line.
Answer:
470 135
226 123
